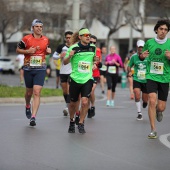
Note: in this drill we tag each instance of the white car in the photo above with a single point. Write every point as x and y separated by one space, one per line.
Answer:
7 65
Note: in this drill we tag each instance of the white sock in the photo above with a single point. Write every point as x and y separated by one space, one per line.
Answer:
138 105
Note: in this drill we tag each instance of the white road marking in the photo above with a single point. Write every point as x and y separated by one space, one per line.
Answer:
164 140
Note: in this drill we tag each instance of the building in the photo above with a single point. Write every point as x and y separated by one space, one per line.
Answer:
142 14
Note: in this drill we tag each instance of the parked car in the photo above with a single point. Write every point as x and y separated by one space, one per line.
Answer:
7 65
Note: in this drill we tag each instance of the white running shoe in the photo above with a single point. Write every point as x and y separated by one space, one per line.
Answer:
65 111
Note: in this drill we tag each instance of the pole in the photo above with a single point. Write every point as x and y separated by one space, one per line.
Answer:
75 15
131 38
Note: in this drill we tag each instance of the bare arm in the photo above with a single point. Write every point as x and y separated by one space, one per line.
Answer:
67 60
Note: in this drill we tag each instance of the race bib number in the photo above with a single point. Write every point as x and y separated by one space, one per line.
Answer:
112 69
141 74
104 68
36 61
84 67
156 67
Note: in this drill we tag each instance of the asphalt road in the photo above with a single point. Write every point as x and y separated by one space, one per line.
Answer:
114 139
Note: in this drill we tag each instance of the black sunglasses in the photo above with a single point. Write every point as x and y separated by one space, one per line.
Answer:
92 42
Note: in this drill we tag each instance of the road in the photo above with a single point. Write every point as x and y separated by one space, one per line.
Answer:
114 139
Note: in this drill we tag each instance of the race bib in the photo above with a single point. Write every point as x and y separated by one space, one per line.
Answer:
104 68
112 69
156 67
84 67
141 74
36 61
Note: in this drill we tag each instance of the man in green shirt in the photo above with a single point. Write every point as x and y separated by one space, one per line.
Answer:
157 50
81 56
139 78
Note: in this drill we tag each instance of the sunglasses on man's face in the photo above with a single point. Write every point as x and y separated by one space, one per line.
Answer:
86 35
92 42
68 37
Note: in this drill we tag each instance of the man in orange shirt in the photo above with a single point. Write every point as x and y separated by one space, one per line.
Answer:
34 46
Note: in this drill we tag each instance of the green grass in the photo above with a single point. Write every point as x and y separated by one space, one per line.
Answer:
7 91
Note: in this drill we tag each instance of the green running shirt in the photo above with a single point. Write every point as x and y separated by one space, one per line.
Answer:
158 68
82 62
139 68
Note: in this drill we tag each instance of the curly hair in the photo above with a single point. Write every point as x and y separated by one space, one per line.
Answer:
74 38
162 22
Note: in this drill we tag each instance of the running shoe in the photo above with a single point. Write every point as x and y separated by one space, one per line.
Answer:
81 128
65 111
77 119
152 135
112 103
139 117
144 105
108 103
32 121
28 112
89 113
71 127
159 116
92 111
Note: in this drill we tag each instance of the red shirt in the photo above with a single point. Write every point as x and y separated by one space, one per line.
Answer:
31 41
96 72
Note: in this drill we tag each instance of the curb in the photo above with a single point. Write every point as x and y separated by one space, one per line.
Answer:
22 100
52 99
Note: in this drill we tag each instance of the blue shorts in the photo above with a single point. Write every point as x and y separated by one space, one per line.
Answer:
34 77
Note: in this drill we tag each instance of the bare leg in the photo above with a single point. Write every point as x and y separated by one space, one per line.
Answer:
84 109
108 94
152 110
36 99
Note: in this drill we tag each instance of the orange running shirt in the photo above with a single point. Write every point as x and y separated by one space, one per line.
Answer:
42 44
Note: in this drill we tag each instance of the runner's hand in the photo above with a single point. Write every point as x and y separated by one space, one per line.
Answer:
144 54
32 50
71 53
48 50
167 54
62 55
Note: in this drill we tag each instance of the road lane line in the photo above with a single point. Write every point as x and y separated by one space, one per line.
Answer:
164 140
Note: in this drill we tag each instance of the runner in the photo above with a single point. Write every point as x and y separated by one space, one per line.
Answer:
158 73
113 61
103 70
139 78
57 63
48 69
81 55
20 60
130 79
65 70
96 77
34 46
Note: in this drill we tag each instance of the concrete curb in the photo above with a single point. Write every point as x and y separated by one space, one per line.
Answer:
52 99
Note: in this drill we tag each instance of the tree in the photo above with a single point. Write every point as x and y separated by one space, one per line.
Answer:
9 25
17 15
109 12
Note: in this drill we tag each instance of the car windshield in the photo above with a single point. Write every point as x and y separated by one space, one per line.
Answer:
4 59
